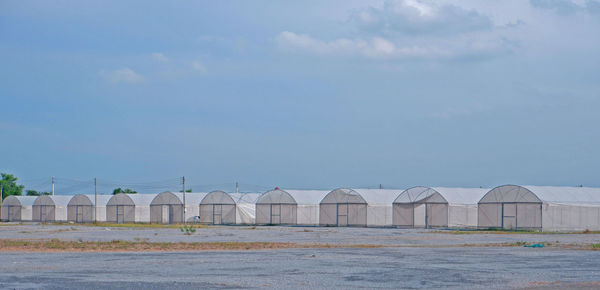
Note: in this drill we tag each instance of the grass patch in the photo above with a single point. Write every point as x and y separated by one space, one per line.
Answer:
141 245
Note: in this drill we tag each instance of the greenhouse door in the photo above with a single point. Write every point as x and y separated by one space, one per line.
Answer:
78 214
217 214
275 214
509 215
120 214
46 213
342 214
165 214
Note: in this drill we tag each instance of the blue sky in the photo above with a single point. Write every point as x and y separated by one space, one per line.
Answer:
303 94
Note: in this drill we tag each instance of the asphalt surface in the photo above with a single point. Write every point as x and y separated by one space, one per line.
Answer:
429 266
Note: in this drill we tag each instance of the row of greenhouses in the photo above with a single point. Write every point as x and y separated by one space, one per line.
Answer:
508 206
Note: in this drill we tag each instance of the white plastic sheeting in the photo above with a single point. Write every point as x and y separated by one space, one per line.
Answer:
357 207
245 203
551 208
167 208
291 207
17 208
437 207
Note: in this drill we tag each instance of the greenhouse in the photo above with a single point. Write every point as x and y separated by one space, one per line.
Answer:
357 207
167 208
289 207
217 208
430 207
49 208
540 207
81 208
17 208
129 208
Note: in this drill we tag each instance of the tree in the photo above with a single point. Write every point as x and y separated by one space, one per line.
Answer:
187 190
36 193
126 190
9 185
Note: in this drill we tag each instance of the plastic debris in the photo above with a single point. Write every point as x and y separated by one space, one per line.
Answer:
535 246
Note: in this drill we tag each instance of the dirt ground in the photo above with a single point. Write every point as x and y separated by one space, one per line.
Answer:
76 256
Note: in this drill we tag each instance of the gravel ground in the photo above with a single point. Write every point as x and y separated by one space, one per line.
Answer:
382 236
310 268
424 267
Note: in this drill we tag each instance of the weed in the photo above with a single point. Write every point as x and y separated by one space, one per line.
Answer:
188 230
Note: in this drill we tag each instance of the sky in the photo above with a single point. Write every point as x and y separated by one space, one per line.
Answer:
300 94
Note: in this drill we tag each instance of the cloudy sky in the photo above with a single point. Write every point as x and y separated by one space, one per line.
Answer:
303 94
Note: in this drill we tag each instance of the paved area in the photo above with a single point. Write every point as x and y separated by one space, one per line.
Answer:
311 268
457 266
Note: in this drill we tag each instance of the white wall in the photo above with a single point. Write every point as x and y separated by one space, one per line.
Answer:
462 216
563 217
26 213
60 213
142 214
308 215
101 213
379 215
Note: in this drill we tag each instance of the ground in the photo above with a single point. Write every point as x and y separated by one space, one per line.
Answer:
74 256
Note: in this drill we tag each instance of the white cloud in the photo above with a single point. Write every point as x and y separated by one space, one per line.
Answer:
157 56
409 29
198 66
382 48
122 75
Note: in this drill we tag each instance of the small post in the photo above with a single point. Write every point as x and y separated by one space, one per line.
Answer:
380 186
95 199
52 185
183 179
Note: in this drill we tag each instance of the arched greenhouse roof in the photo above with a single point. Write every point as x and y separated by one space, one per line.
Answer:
539 194
217 197
56 200
452 195
17 200
168 197
343 195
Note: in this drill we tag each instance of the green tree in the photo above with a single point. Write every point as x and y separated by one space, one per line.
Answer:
126 190
187 190
9 185
36 193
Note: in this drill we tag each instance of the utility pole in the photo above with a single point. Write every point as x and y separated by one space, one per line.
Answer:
236 187
52 185
95 199
1 198
183 179
380 186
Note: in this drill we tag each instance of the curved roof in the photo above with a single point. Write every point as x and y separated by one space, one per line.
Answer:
379 196
18 200
80 199
276 196
538 194
217 197
139 199
56 200
343 195
423 194
88 199
168 197
245 197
